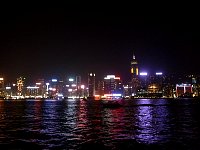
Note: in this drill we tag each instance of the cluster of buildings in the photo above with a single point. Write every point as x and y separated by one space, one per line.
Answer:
140 85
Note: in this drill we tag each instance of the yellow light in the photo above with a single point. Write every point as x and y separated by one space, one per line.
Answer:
131 70
136 71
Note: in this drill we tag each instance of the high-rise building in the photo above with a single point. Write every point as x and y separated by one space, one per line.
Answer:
100 88
134 76
134 68
183 90
91 84
113 85
78 86
42 87
1 87
20 85
71 87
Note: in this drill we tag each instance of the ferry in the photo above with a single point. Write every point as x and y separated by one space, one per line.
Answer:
112 101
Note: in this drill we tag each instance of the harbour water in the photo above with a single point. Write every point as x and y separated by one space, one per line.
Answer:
79 124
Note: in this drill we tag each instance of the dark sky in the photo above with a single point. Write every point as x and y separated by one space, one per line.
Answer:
40 43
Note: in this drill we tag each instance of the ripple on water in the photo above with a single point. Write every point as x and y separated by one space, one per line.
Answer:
76 124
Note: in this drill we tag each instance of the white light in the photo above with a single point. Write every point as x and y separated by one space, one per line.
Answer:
8 88
67 85
60 95
54 80
70 79
82 86
47 83
1 79
70 90
143 73
32 87
73 85
117 95
38 83
158 73
110 76
53 89
107 95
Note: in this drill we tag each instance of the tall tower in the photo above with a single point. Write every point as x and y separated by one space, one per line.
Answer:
134 76
91 84
78 86
20 85
1 87
134 67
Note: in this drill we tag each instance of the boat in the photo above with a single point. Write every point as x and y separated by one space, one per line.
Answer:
112 103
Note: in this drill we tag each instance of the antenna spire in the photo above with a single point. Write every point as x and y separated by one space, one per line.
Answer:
133 56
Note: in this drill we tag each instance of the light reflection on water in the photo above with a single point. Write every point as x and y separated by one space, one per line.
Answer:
78 124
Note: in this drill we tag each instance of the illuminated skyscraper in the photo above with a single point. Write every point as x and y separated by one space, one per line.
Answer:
1 86
134 76
20 85
112 85
1 83
91 84
134 67
78 86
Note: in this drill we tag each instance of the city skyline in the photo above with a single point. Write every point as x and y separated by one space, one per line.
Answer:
56 42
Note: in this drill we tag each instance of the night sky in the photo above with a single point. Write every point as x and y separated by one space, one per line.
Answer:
41 43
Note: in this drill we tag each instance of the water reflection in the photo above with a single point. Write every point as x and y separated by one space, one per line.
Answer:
151 123
74 124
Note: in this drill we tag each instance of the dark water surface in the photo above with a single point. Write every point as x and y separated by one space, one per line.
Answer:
77 124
